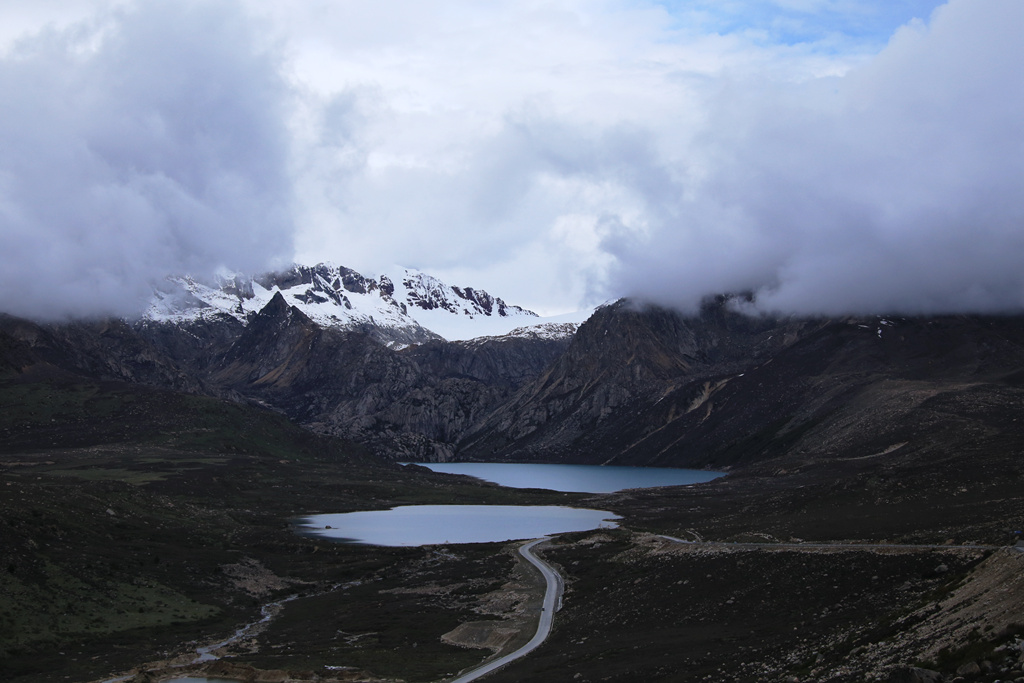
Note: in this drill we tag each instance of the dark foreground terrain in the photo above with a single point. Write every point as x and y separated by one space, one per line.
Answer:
176 525
865 530
146 524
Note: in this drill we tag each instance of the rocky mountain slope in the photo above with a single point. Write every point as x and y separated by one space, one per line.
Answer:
410 403
129 480
634 385
721 390
333 350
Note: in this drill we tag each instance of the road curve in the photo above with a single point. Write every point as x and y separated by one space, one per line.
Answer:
552 601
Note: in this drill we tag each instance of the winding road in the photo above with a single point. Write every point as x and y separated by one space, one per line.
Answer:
553 591
552 602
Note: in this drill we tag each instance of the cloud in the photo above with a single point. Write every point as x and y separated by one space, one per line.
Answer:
894 188
575 151
550 152
833 25
490 139
148 141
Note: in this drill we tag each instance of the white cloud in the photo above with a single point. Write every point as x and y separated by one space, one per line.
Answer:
487 127
894 188
145 142
548 151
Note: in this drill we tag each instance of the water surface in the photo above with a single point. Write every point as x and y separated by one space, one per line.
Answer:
576 478
413 525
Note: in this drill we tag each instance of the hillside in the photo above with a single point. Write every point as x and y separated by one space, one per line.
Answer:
720 390
152 470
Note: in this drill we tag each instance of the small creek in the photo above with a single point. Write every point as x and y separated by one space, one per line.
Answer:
267 612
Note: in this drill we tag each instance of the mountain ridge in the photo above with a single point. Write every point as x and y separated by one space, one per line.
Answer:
842 431
635 384
756 389
407 307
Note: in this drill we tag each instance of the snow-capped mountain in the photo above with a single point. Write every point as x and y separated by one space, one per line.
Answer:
402 308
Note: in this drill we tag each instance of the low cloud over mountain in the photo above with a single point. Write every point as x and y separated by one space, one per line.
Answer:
896 187
146 142
829 157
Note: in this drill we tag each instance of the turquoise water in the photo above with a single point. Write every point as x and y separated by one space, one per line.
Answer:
413 525
576 478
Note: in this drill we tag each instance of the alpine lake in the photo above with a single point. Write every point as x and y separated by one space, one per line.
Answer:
415 525
425 525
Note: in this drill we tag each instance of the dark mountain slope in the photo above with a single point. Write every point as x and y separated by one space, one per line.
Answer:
717 390
634 386
407 404
414 403
621 363
192 344
843 391
502 361
104 350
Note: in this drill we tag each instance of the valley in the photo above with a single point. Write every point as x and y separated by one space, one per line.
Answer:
152 475
200 557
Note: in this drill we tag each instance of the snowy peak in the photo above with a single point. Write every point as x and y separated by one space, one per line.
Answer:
331 296
428 293
418 308
323 283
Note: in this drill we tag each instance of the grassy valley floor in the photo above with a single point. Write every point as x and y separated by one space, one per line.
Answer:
138 525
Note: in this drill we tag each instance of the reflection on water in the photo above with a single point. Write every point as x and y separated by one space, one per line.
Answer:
439 524
578 478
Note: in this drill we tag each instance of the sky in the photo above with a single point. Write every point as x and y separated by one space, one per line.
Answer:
828 156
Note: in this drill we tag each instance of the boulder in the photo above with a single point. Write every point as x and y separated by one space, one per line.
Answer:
914 674
969 669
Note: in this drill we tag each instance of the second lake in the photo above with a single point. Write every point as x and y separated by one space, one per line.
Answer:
574 478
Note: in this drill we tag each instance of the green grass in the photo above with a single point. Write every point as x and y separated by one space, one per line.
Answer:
120 506
56 604
111 474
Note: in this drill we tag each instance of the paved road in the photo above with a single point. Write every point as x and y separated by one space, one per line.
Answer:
553 591
552 602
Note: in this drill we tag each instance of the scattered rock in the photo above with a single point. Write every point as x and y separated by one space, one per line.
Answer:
252 577
969 669
490 635
914 674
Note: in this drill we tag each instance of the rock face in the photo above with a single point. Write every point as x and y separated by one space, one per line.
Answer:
407 404
623 363
718 389
108 350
